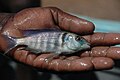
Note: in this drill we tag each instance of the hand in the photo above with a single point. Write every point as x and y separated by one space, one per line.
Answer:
100 56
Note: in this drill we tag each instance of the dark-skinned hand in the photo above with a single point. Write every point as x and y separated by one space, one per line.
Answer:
100 56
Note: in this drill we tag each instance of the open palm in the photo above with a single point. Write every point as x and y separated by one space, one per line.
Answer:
100 56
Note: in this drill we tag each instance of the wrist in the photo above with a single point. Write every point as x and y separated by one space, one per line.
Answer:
3 44
4 17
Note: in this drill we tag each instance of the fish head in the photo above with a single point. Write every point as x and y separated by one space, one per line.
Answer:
75 42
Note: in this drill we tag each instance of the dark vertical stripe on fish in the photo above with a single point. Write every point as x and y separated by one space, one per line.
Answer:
63 37
57 42
45 42
36 43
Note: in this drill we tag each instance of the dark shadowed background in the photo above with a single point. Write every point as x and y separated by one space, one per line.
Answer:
103 9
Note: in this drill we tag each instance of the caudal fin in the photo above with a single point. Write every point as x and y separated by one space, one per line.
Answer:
11 41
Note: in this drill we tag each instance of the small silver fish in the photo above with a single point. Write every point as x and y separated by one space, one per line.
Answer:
56 42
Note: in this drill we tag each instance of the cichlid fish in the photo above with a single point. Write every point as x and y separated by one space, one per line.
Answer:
56 42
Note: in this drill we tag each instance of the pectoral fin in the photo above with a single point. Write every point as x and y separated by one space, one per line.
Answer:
29 49
51 57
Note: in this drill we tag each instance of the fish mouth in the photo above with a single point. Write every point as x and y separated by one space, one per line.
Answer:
86 46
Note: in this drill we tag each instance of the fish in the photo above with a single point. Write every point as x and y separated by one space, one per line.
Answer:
48 40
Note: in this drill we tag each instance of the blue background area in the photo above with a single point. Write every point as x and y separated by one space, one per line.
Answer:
106 26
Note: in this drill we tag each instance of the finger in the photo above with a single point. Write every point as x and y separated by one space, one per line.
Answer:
90 63
32 18
102 63
82 64
72 63
72 23
106 39
23 56
111 52
38 18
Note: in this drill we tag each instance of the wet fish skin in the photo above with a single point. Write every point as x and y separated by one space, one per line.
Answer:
56 42
43 42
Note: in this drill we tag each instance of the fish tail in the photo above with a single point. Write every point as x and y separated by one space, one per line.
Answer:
11 41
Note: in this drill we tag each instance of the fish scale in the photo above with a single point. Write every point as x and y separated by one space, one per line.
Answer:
45 42
53 41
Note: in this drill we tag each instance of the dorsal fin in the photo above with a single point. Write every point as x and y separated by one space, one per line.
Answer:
37 31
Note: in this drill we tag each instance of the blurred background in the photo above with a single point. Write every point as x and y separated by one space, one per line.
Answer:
105 14
105 9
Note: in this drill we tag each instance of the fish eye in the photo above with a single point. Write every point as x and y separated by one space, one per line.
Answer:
77 38
70 37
